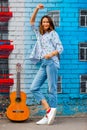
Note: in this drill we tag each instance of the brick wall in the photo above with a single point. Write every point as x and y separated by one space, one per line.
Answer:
70 101
16 33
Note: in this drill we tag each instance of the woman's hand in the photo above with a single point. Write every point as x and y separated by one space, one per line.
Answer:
48 56
40 6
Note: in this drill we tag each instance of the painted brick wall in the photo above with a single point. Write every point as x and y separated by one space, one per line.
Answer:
70 101
16 33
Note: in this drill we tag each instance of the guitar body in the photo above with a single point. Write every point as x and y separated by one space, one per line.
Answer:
17 110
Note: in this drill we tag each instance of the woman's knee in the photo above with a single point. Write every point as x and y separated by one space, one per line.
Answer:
33 89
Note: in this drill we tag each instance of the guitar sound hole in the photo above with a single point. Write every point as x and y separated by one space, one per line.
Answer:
18 99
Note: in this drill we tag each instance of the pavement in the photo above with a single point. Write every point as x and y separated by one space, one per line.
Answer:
60 123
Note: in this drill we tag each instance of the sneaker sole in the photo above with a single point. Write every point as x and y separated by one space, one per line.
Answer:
42 122
37 123
52 119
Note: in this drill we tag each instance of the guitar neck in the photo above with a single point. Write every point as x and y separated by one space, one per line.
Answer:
18 85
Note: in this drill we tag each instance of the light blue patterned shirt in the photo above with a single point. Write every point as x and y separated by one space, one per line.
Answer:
46 44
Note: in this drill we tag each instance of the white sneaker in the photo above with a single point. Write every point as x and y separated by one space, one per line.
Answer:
43 121
51 115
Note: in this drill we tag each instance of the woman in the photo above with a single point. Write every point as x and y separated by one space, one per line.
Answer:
46 49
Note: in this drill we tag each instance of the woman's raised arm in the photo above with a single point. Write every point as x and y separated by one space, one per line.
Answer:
33 17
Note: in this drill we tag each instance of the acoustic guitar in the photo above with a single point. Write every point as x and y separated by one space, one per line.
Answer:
18 110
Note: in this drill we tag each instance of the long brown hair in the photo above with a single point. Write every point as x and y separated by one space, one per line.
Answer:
50 22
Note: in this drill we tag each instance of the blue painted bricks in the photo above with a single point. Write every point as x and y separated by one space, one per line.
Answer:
71 101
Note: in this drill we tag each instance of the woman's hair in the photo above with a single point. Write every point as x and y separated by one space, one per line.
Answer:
50 22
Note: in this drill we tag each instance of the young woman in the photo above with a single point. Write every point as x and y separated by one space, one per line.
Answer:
46 49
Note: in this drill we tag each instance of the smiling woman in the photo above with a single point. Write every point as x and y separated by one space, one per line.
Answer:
46 49
46 24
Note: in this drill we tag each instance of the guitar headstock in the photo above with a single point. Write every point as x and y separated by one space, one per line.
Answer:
18 67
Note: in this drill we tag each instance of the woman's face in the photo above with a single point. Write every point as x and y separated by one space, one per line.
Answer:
45 24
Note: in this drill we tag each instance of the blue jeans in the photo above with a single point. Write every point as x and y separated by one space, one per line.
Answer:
48 70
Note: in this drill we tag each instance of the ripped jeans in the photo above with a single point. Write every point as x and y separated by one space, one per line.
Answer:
48 70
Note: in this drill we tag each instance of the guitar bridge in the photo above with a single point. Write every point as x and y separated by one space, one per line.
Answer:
18 111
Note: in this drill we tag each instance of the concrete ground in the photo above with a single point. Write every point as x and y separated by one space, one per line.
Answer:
60 123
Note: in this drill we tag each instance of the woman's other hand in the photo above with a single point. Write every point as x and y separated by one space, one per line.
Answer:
40 6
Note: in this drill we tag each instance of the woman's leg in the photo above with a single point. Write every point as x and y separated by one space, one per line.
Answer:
52 76
38 81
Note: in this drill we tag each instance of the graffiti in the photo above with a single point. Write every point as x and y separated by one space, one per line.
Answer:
5 49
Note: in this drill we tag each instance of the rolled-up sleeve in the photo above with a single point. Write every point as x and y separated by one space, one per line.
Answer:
57 42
